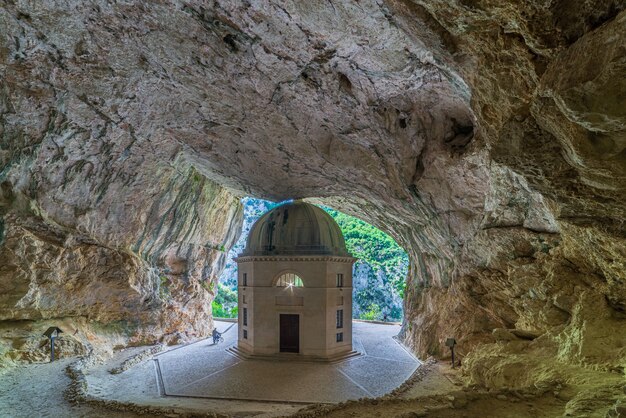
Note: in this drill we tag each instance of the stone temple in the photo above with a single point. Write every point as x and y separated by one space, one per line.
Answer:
295 286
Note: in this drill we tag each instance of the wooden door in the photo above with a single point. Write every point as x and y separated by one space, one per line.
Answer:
289 333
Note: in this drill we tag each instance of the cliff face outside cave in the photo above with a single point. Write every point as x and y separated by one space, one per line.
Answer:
489 139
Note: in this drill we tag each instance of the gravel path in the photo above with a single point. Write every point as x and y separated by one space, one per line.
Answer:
36 390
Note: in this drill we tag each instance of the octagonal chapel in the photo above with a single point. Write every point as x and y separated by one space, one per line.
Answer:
295 286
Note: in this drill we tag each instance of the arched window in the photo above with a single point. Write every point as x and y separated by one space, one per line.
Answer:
289 280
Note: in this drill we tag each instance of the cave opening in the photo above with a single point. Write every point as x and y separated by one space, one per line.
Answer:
379 274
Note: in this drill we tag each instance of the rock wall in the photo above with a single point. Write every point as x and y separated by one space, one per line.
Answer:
105 230
487 137
131 274
549 102
547 261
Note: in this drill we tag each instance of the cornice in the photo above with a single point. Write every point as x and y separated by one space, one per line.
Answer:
336 259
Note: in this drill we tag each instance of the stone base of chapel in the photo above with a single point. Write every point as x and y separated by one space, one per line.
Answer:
295 357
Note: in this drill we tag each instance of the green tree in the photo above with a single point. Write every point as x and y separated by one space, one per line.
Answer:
225 303
373 313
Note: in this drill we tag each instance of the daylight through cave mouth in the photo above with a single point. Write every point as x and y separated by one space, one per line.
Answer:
379 274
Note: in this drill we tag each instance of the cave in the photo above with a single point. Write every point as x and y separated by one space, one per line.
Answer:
487 138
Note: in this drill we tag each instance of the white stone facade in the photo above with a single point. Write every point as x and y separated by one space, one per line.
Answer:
309 311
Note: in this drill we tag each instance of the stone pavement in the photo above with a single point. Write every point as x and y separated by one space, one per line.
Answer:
205 370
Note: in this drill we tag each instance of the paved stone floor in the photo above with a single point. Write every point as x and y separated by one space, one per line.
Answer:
208 371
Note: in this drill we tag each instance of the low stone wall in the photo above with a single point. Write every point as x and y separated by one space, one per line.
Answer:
77 392
137 358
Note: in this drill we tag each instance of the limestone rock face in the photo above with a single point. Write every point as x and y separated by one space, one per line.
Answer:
159 286
487 137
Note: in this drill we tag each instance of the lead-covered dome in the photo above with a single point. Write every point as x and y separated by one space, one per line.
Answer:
296 228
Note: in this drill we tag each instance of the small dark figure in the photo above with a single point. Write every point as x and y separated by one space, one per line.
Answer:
216 336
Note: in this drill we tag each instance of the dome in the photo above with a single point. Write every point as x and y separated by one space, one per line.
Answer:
296 228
